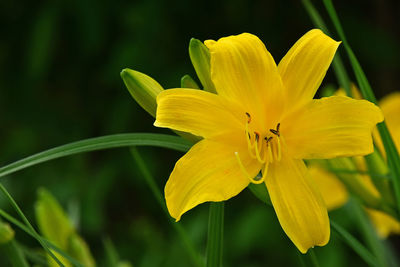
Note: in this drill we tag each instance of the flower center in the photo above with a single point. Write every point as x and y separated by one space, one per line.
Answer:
265 148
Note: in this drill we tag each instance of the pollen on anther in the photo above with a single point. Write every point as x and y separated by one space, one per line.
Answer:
248 117
257 135
268 139
276 132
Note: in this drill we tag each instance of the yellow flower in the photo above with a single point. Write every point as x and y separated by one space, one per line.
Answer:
335 195
264 120
334 192
390 106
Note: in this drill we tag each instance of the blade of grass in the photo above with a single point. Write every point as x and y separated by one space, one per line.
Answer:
311 259
393 157
337 62
364 225
188 245
24 228
28 224
352 242
99 143
215 234
14 254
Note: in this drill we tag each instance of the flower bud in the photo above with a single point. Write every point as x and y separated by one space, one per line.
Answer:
143 89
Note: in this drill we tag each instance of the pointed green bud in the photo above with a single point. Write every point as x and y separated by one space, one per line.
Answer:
188 82
200 57
143 89
79 250
52 221
6 233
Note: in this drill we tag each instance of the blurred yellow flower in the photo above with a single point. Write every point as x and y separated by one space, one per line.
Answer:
262 123
334 192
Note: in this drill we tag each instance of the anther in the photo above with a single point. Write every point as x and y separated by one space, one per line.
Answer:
257 135
268 139
248 117
276 132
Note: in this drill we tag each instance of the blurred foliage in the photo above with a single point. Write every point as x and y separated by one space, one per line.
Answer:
60 64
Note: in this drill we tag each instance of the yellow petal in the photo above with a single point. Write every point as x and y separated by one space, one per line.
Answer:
390 106
303 68
335 126
298 204
198 112
384 224
208 172
243 70
332 190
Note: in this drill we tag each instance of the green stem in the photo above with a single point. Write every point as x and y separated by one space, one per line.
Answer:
215 234
188 245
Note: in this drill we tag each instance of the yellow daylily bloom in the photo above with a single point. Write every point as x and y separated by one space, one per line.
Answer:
264 120
332 190
390 106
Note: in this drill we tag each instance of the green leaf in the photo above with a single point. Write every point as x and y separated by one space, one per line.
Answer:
393 157
215 235
354 244
367 230
143 89
310 259
28 224
99 143
200 57
14 254
261 192
35 235
188 82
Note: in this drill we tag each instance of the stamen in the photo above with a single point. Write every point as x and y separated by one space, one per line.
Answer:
249 145
258 153
276 132
279 157
268 139
245 172
271 159
248 117
264 173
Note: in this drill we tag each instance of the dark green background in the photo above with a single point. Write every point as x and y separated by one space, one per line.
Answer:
59 82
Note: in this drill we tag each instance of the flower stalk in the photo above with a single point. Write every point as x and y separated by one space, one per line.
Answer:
215 234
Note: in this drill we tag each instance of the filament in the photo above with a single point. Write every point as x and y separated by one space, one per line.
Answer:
254 181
